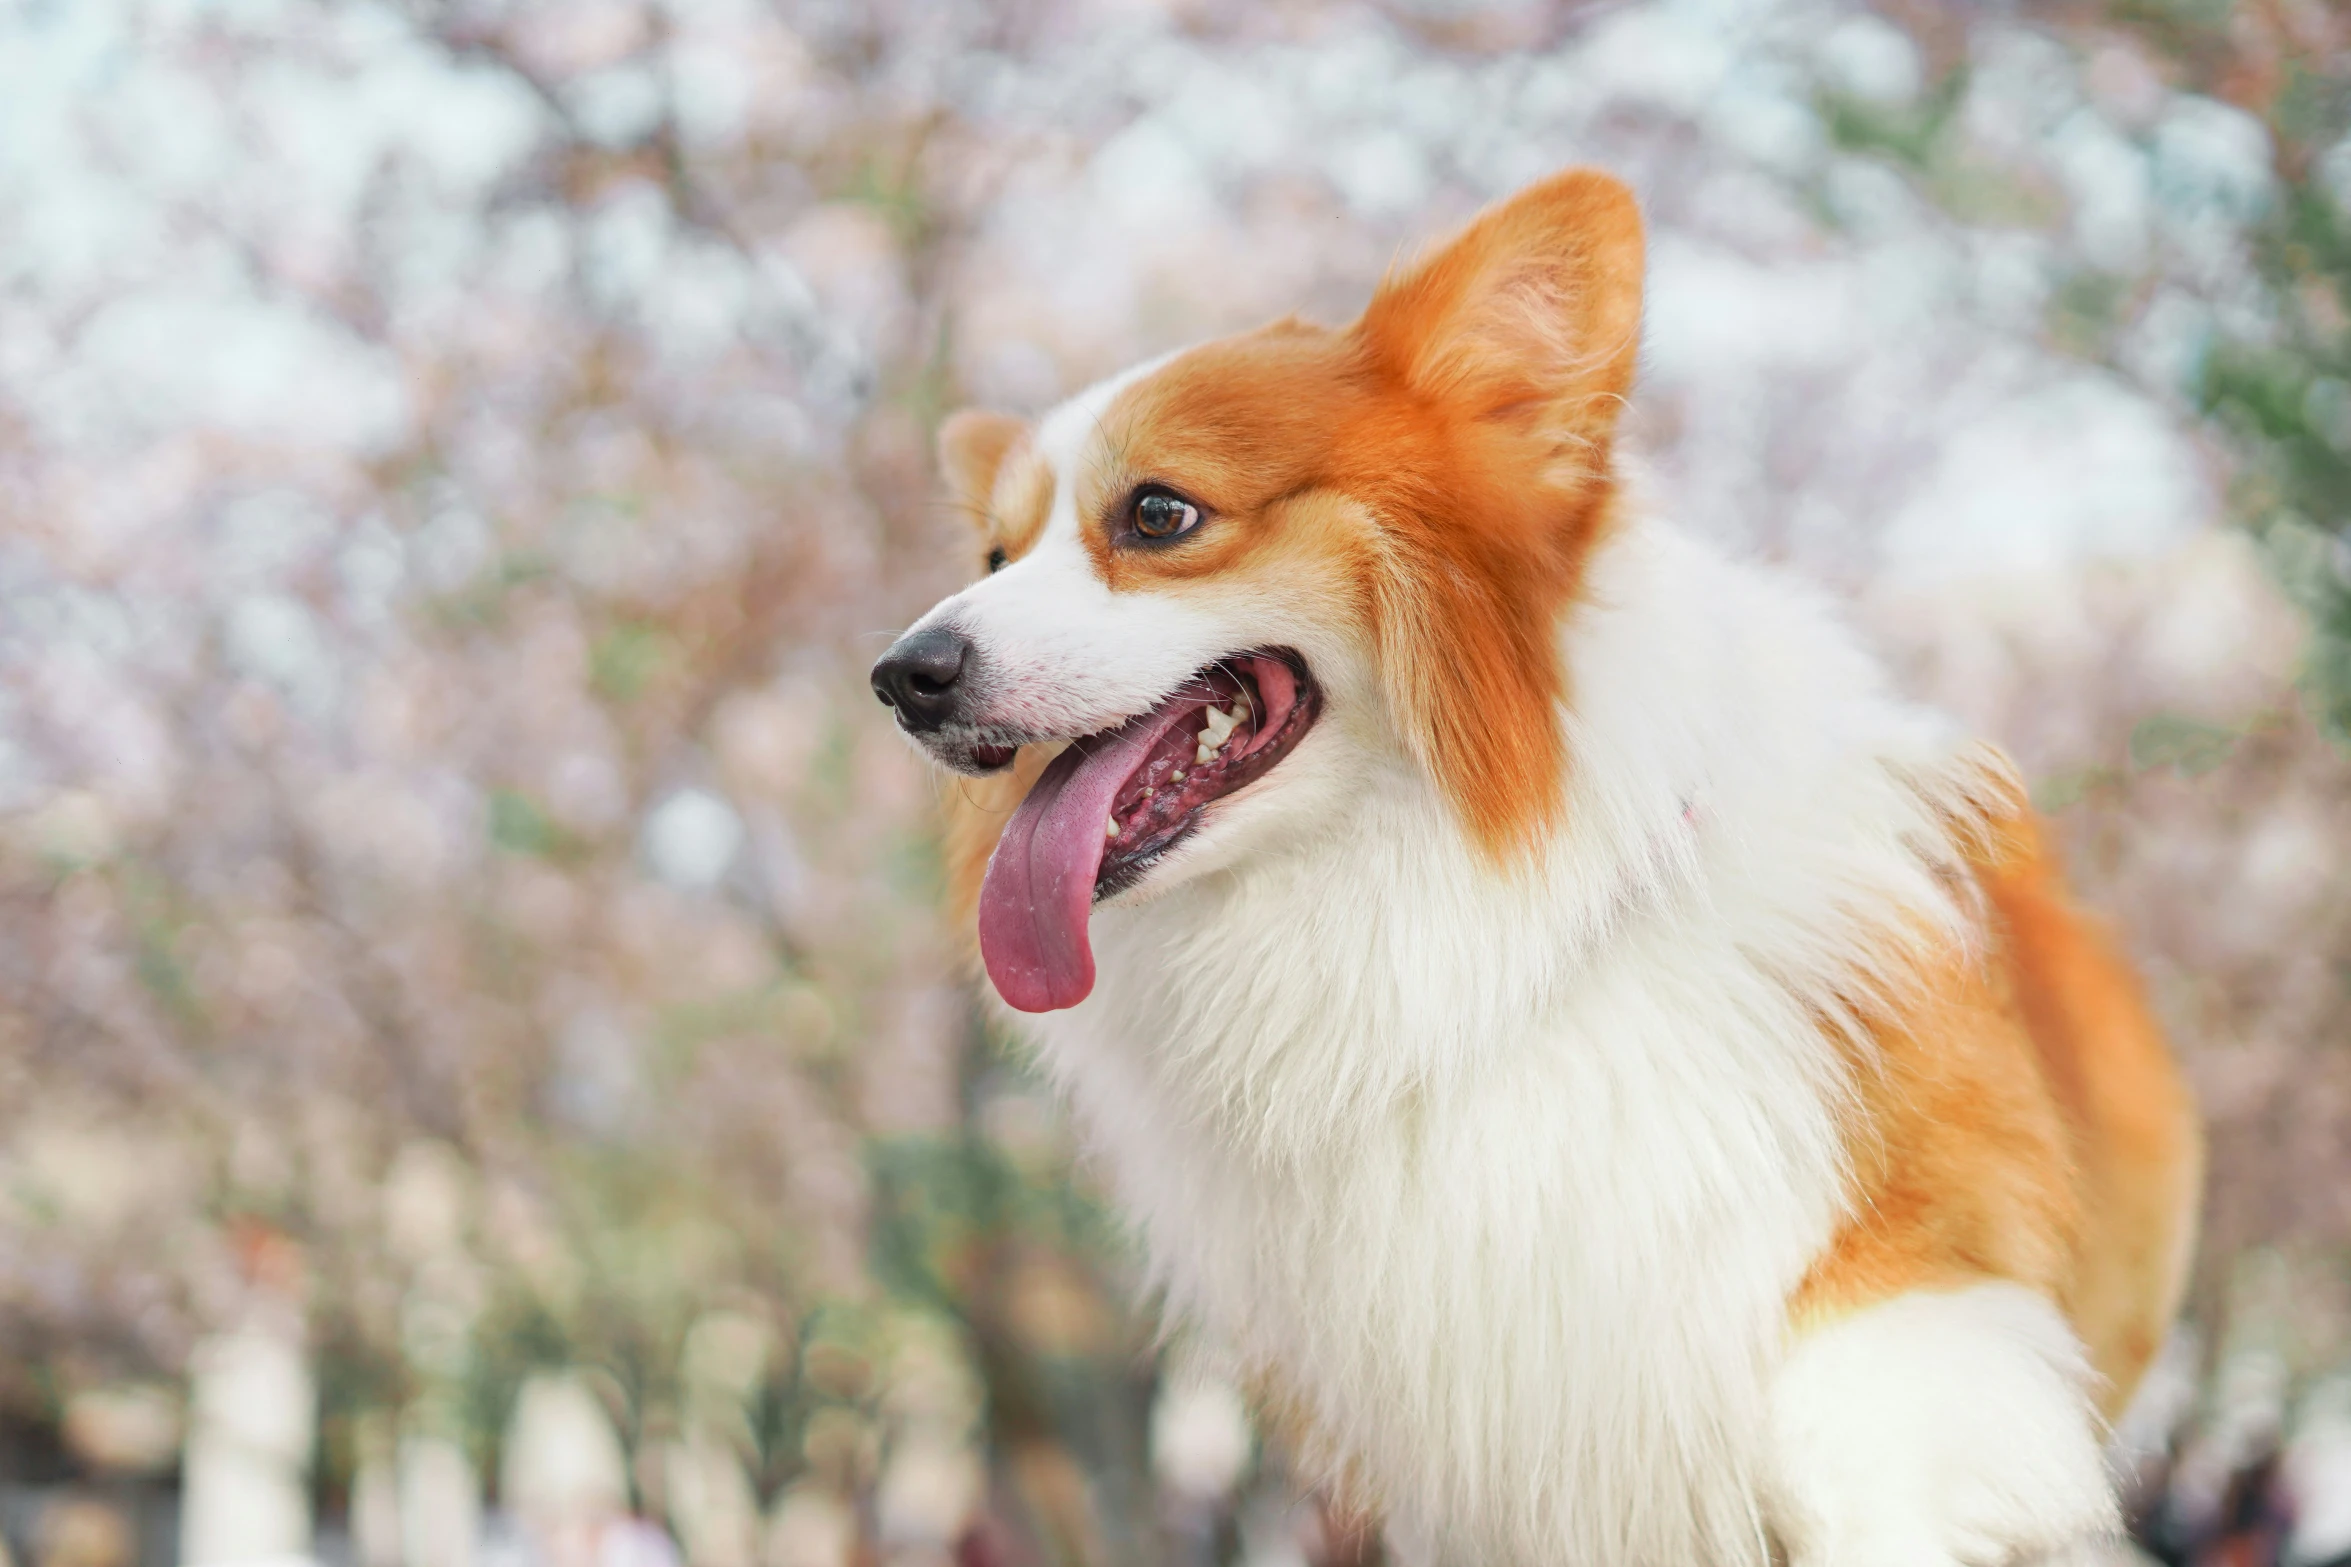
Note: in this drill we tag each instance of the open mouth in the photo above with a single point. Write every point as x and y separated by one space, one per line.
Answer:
1111 807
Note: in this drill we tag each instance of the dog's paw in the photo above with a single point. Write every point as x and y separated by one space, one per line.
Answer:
1945 1429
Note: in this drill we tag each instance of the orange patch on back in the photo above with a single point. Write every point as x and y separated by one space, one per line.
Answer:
1959 1163
2020 1118
2136 1147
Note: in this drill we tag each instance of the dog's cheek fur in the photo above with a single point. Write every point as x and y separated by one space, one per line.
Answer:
1465 627
1504 358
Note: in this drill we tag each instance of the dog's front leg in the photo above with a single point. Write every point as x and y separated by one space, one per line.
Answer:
1947 1428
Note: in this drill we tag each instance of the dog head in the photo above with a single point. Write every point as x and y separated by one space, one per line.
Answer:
1233 578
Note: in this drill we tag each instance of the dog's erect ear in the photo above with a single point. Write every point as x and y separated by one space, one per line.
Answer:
1529 319
972 445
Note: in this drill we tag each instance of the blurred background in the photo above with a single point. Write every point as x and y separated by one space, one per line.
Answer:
482 1078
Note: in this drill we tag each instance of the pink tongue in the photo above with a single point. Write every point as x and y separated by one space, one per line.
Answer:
1040 884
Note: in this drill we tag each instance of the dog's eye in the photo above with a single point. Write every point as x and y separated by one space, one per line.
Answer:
996 559
1162 514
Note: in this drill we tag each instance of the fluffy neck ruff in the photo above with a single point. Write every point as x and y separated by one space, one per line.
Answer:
1740 779
1509 1178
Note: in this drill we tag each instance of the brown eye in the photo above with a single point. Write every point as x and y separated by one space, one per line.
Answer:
1162 514
996 558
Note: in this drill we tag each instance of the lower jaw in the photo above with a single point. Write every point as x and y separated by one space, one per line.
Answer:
1128 873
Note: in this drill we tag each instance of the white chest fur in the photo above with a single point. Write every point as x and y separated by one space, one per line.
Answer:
1507 1181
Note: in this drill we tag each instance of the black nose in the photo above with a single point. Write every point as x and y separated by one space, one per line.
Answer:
921 676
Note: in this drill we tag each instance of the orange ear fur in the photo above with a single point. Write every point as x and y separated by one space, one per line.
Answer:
1530 318
972 444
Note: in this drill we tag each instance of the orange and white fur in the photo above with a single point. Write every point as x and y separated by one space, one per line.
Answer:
1628 1086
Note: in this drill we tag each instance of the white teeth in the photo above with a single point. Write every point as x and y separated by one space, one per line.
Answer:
1110 828
1175 777
1216 727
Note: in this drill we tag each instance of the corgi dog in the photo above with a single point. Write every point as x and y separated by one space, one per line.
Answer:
1625 1085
